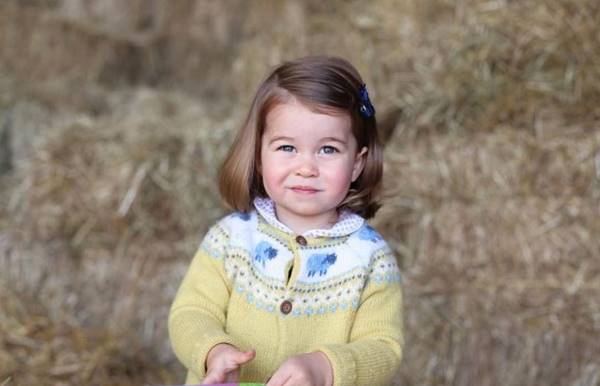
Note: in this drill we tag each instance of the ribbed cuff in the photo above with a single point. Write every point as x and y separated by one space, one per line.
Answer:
343 364
202 348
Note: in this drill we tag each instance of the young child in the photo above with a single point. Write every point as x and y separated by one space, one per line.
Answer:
294 288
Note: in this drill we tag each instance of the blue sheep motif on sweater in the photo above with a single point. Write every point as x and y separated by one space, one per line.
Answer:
263 252
320 262
368 233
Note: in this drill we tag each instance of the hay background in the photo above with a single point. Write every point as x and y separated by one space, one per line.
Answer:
119 113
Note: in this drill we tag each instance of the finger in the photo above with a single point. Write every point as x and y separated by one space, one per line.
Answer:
279 378
245 357
213 377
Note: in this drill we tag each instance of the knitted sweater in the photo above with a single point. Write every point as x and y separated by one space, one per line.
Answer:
255 284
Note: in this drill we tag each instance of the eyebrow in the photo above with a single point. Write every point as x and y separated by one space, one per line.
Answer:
290 139
280 138
334 139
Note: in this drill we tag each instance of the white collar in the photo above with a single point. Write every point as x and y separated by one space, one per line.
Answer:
346 224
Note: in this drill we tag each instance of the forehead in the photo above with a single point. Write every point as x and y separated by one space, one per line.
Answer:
294 117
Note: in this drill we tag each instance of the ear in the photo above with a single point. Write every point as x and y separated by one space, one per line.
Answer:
359 163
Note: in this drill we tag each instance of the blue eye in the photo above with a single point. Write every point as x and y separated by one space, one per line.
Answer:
286 148
328 150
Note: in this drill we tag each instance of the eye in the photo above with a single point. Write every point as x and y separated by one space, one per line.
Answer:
329 150
286 148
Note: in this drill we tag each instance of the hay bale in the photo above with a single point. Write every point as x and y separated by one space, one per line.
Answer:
131 179
116 205
451 66
116 43
497 235
476 64
38 349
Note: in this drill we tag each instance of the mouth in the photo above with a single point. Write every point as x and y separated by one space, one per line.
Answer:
304 189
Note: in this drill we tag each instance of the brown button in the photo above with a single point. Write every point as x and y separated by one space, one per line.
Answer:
286 307
301 240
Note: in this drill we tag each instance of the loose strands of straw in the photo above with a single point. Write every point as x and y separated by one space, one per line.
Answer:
139 176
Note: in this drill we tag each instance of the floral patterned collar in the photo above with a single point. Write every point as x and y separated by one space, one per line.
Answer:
346 224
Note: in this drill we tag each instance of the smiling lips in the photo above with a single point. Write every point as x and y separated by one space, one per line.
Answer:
304 189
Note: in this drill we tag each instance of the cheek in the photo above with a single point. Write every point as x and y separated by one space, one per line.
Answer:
271 174
266 166
340 178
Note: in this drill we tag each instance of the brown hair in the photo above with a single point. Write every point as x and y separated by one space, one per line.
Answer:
325 84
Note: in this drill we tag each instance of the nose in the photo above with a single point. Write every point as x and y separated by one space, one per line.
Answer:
307 166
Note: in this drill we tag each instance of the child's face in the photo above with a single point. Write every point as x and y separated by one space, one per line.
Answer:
308 161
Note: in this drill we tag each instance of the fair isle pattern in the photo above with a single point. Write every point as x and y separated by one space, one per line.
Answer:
276 234
266 294
215 242
283 237
332 274
384 268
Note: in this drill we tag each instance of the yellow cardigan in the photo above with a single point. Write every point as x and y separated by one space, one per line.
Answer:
256 285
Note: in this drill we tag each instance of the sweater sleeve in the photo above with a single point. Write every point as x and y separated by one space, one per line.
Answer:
197 315
374 351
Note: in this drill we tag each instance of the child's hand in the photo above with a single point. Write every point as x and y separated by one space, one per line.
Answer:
223 363
311 369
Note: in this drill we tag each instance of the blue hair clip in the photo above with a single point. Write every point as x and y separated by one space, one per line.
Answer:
365 107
